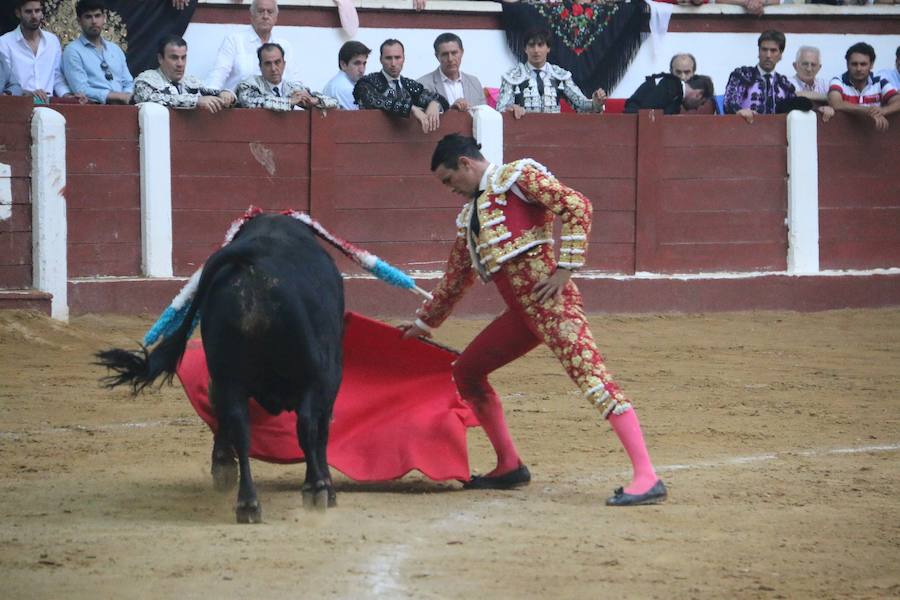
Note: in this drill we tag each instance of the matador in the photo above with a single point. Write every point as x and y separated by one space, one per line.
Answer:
505 235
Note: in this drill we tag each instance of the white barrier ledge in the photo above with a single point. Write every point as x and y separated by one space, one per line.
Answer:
487 129
802 193
5 192
156 191
48 225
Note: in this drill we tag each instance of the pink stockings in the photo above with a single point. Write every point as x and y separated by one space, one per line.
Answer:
510 336
628 429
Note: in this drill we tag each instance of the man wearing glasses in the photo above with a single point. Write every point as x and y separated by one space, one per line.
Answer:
93 66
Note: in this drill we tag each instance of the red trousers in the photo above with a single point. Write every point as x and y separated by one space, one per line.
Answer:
559 323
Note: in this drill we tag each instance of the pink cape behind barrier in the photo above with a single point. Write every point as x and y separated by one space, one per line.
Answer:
397 409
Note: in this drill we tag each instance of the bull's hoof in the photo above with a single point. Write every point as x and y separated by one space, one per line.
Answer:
225 475
319 498
249 511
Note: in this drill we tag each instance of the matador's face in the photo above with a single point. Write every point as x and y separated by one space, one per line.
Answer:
463 180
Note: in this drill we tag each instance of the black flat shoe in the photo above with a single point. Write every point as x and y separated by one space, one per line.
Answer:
507 481
654 495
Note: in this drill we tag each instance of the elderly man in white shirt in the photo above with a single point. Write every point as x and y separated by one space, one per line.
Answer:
237 58
806 67
34 55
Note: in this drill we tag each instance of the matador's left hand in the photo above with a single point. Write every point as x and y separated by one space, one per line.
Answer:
552 287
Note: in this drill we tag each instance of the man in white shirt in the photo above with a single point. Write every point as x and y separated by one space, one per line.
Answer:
860 93
461 90
237 58
806 67
352 59
34 55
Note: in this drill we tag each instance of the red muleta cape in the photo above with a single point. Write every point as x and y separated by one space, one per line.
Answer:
397 409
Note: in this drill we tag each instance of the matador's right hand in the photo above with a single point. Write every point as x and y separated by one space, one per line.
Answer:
411 330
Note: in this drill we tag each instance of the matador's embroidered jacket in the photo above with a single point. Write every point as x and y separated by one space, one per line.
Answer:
519 86
514 213
256 92
374 91
154 86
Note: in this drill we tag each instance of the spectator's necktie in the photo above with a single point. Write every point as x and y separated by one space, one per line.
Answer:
540 85
770 95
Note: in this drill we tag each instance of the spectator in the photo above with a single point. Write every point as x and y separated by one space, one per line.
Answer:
759 90
169 86
858 92
33 54
805 82
754 7
893 75
684 66
670 94
539 86
352 59
93 66
8 83
270 90
462 91
237 58
387 90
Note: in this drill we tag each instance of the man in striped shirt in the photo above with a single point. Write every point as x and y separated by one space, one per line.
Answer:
858 92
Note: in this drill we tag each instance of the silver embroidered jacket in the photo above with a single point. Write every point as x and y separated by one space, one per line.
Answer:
519 86
154 86
256 92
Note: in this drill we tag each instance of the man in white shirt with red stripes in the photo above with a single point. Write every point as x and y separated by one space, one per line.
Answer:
858 92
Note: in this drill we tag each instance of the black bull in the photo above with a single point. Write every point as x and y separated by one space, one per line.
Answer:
272 308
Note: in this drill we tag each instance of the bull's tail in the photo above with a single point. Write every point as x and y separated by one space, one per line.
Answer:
141 368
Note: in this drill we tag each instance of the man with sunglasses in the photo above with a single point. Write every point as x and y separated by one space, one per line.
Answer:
94 66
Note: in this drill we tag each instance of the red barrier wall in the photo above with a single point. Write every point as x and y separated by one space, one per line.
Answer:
223 163
671 194
859 194
103 190
711 194
372 184
598 157
15 232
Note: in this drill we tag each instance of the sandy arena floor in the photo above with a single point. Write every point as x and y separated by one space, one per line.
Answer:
777 433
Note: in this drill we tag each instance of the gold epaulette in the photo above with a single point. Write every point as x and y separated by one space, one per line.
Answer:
506 175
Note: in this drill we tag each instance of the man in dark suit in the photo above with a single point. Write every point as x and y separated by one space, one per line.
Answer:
668 93
387 90
462 91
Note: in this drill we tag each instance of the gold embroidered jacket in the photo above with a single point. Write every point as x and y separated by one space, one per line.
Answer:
515 213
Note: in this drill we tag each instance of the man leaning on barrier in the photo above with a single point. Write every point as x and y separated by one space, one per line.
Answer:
538 86
860 93
271 91
92 65
394 94
168 85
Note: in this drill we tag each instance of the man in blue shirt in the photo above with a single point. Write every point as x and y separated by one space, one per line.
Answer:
93 66
352 59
